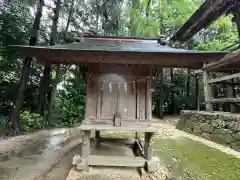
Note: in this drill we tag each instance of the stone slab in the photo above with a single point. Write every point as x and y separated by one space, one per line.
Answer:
115 161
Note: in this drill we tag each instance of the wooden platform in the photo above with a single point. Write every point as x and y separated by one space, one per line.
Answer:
116 161
130 128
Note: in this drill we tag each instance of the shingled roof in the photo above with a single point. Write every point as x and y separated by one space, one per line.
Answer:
120 51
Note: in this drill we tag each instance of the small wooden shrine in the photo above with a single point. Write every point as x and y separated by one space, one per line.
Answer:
119 74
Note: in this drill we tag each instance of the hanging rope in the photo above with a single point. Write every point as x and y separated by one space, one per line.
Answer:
97 79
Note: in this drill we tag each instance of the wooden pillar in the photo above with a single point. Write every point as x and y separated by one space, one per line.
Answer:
86 144
207 92
97 137
148 101
99 96
197 102
148 146
161 100
230 94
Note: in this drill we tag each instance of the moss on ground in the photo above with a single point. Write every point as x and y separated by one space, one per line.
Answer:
190 160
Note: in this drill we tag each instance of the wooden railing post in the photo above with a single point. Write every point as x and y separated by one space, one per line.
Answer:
207 92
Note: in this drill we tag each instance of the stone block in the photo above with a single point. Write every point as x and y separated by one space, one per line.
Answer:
82 165
207 128
197 126
234 126
237 148
152 165
197 132
206 136
219 138
189 124
222 131
181 124
76 159
237 143
236 136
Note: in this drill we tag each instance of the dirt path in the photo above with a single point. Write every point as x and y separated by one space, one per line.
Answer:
166 128
39 160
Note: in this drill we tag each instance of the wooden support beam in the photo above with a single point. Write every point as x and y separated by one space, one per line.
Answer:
228 83
161 100
207 92
199 71
197 93
230 94
224 78
225 100
230 58
99 92
97 137
148 146
86 144
148 100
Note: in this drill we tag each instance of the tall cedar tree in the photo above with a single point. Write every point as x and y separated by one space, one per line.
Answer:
14 119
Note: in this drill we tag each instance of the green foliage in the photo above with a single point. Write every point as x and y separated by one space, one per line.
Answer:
70 105
3 124
31 121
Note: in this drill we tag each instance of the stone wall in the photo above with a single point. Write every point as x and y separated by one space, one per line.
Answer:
223 128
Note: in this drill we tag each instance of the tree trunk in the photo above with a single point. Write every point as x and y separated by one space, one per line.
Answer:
52 93
14 121
70 15
44 89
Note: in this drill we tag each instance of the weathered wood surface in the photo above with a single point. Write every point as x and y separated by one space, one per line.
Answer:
133 128
230 58
225 100
126 141
86 144
116 161
224 78
207 92
124 122
148 146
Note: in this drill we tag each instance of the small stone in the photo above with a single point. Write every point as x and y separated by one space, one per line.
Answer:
152 165
206 136
197 132
82 165
237 148
197 126
207 128
236 136
181 124
222 131
76 159
235 143
234 126
222 138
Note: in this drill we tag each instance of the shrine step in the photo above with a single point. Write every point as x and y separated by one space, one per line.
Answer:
116 161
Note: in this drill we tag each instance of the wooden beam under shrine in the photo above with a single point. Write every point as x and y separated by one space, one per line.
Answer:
225 100
230 58
224 78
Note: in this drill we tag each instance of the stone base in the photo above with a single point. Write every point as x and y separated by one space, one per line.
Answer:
152 165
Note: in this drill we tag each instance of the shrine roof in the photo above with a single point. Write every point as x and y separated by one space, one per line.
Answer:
205 15
116 45
123 50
